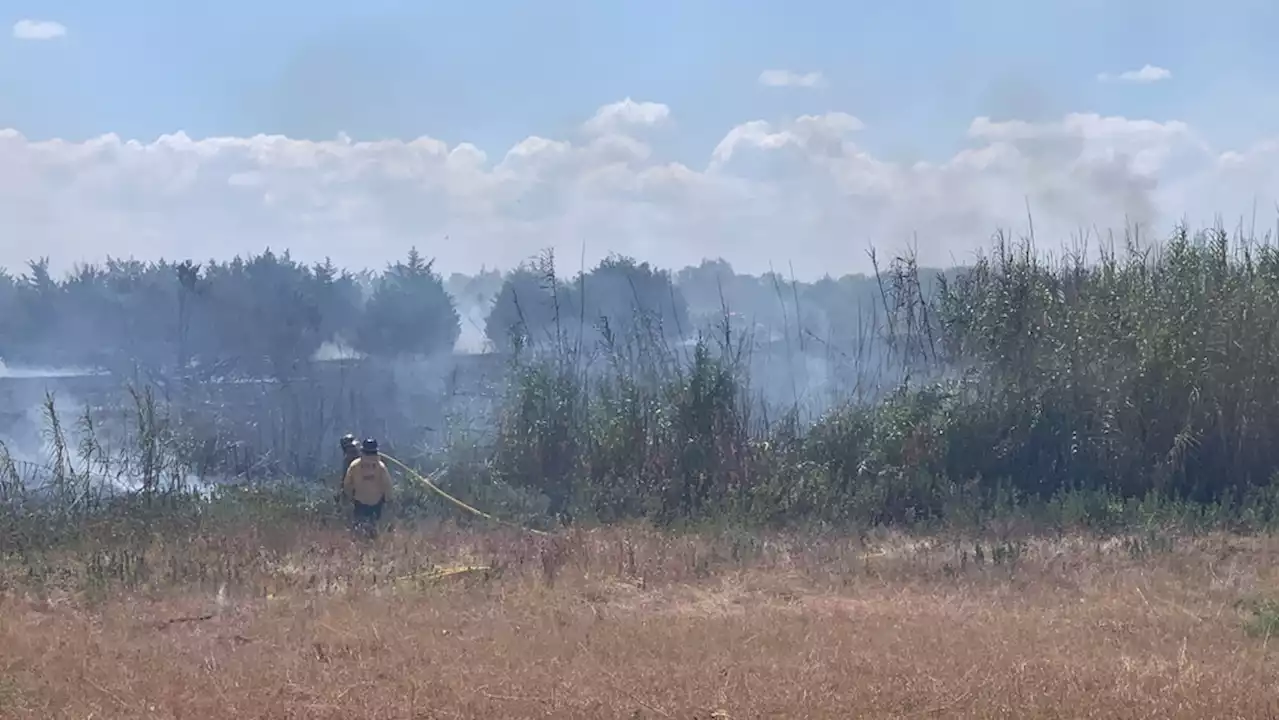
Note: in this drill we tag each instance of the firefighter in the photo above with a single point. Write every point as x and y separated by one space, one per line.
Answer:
350 453
367 484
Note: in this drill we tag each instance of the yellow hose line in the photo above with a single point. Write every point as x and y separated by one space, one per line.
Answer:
442 573
435 488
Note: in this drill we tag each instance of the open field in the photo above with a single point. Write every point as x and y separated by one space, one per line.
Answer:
629 622
1096 399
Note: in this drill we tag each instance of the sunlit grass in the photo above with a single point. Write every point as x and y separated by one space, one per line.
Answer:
630 621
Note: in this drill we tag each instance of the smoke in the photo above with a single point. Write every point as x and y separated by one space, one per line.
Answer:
7 371
473 297
25 424
471 339
24 421
335 350
808 346
34 399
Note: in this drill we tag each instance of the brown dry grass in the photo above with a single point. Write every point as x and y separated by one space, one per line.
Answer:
628 622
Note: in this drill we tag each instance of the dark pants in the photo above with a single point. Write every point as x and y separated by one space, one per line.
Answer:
365 517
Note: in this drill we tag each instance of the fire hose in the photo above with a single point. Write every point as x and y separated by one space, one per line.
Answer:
414 474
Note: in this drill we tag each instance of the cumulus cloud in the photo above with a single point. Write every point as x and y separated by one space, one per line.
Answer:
626 114
1143 75
804 191
787 78
38 30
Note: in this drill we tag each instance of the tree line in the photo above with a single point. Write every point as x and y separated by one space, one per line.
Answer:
268 315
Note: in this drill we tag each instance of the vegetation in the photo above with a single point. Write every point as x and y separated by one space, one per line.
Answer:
168 316
287 619
617 297
1069 451
1087 390
409 313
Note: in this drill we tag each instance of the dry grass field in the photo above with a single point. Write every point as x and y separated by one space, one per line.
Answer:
633 623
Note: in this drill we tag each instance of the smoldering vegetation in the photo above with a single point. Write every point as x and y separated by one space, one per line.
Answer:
1099 385
267 359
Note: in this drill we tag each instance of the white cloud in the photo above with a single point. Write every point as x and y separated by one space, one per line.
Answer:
787 78
624 114
802 191
1146 74
38 30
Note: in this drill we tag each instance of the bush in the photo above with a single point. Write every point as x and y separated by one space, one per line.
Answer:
1149 379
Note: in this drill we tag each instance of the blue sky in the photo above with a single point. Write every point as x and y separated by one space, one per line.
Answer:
494 72
882 149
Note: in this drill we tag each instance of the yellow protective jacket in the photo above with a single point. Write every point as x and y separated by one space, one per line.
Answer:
367 480
348 457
